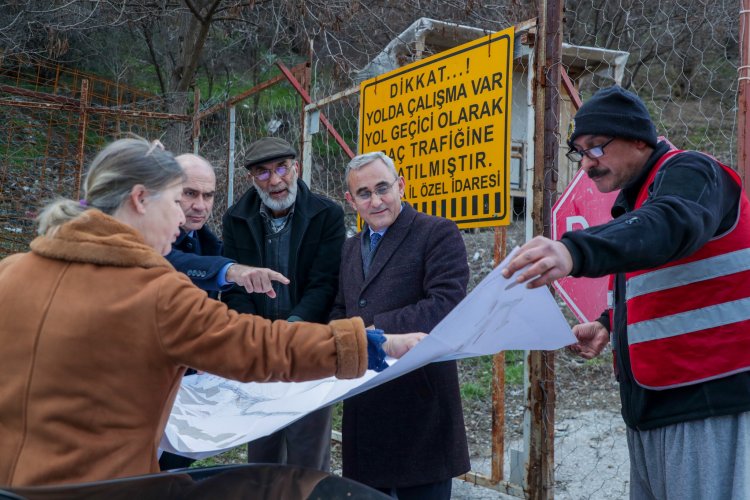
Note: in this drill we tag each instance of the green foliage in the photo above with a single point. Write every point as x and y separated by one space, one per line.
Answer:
338 415
514 367
473 390
23 141
478 374
598 361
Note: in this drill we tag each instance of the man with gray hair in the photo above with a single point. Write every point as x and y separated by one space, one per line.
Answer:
405 271
280 224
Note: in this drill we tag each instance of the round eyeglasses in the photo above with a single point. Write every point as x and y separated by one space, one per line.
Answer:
263 174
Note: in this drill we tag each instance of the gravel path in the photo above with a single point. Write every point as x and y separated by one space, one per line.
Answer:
591 458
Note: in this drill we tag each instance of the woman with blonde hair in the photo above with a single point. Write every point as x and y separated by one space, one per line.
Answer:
98 329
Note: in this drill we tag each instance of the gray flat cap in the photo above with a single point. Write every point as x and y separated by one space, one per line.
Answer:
267 149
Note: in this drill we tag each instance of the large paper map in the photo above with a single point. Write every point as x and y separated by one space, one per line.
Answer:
212 414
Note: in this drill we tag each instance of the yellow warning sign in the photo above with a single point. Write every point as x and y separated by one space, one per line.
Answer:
445 121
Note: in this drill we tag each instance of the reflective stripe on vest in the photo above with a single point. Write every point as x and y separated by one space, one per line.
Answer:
670 277
689 320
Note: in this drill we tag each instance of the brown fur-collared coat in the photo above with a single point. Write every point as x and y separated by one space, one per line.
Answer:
97 330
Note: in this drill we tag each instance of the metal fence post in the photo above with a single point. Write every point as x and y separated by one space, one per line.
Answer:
540 478
230 159
82 123
196 120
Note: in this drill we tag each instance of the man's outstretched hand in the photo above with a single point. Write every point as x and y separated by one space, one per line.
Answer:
540 262
396 345
255 279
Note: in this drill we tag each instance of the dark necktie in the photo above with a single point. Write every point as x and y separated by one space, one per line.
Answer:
374 240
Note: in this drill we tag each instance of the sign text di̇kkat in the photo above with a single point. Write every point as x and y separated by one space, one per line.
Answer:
445 121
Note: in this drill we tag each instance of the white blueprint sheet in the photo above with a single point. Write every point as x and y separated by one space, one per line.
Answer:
212 414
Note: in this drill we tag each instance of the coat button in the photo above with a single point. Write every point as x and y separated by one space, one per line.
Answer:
362 302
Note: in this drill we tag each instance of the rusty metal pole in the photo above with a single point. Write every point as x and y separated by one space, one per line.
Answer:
743 117
498 381
82 123
306 83
540 477
232 132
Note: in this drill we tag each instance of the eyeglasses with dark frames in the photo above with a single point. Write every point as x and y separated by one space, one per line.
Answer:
263 174
592 153
381 190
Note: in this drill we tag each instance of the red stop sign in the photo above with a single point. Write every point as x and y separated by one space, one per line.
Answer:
580 206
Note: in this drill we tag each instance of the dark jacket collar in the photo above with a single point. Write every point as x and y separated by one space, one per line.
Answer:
626 199
306 207
209 243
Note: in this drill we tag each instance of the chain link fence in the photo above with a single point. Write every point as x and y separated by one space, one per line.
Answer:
55 120
682 60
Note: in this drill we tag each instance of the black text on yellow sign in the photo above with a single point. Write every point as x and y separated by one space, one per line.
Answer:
445 121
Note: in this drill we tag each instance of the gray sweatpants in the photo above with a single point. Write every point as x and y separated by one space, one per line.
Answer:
700 459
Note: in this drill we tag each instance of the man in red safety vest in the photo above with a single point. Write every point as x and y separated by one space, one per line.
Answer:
679 318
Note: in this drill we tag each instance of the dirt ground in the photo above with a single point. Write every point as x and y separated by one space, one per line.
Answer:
591 458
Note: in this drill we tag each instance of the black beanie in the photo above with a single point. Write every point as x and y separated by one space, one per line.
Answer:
615 112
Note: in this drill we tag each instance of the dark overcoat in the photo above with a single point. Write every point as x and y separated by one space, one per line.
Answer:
317 234
409 431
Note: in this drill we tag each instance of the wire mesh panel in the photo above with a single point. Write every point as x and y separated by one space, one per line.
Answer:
682 60
328 159
49 133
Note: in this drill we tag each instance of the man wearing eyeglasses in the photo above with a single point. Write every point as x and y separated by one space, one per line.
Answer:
679 252
404 271
280 224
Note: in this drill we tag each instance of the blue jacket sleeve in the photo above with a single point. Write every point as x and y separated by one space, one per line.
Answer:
203 270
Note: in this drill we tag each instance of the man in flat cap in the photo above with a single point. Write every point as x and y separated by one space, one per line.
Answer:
280 224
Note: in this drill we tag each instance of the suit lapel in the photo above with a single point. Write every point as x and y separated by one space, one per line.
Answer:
354 264
255 226
392 240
